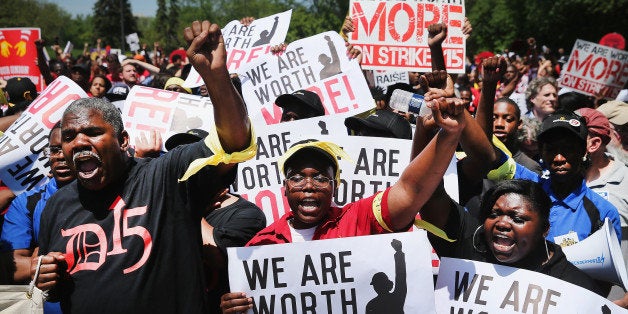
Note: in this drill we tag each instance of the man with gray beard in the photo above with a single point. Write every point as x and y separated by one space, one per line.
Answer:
617 113
125 237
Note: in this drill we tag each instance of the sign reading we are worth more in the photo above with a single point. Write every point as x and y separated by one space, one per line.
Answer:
23 165
246 43
319 64
595 69
337 276
169 113
466 286
393 34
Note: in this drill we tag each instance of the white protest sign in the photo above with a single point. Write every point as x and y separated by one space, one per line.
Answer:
133 41
245 44
338 275
168 112
593 69
22 162
385 78
377 163
466 286
319 64
393 34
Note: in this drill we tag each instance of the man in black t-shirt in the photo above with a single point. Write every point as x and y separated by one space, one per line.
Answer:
124 237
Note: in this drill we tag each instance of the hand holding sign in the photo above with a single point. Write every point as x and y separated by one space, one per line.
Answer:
207 48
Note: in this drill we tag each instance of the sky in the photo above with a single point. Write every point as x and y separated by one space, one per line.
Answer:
84 7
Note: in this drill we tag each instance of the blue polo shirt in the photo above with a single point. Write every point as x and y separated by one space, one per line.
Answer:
20 231
569 214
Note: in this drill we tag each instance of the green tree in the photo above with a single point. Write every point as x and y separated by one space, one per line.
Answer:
172 26
107 26
51 19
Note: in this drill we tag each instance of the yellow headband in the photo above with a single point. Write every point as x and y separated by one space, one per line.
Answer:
330 148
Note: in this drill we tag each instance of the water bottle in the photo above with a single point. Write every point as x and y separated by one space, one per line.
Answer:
404 101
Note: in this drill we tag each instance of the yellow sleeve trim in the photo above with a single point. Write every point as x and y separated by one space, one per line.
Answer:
422 224
220 156
377 211
499 144
506 170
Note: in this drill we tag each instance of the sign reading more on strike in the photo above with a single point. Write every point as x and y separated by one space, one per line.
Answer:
393 34
594 69
246 43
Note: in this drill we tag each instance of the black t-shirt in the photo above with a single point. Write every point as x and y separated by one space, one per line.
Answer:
462 226
134 247
234 225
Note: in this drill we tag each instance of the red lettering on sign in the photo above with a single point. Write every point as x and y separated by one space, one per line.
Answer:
272 117
235 56
156 94
392 16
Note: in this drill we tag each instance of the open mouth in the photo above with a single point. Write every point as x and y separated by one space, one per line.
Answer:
500 134
62 170
502 243
309 205
87 164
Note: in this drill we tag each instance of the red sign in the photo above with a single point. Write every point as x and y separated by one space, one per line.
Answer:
18 54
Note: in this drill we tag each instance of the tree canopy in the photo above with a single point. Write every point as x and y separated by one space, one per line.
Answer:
497 24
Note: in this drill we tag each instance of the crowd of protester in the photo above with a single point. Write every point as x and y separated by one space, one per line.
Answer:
526 179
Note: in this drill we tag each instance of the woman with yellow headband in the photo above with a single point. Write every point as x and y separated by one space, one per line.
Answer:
312 175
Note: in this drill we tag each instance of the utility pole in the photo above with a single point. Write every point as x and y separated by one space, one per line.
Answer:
122 27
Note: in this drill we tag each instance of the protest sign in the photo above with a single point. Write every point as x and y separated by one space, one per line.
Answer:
18 53
393 34
306 64
22 162
168 112
465 286
593 69
133 41
245 44
385 78
376 163
337 275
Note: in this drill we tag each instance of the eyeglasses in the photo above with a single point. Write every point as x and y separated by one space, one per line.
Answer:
174 88
319 181
52 150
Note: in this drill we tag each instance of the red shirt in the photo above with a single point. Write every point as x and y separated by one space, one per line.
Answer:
354 219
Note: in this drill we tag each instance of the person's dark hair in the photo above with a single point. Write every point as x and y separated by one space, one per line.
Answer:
109 112
403 86
175 58
532 192
159 81
573 101
56 126
17 108
535 87
107 81
185 71
377 92
512 103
